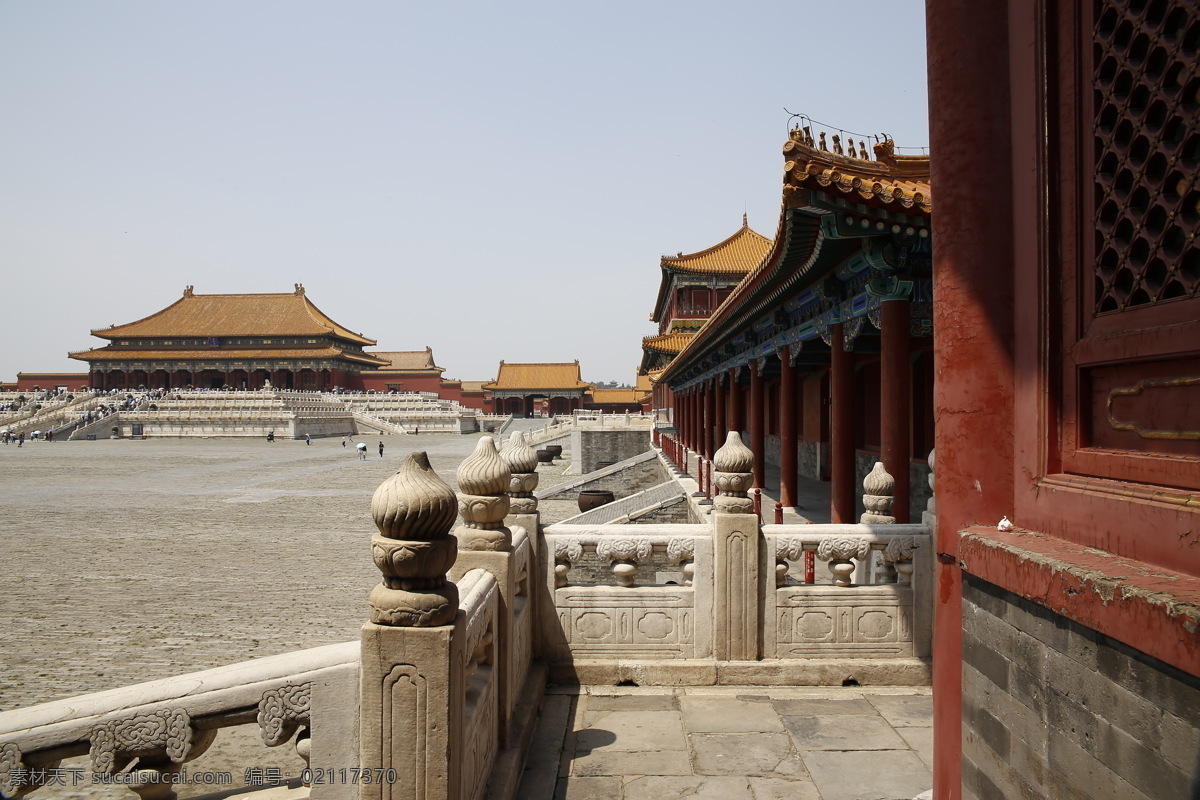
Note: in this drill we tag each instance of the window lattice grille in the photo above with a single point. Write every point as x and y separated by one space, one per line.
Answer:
1147 152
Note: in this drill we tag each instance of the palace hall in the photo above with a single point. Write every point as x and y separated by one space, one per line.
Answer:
548 388
242 341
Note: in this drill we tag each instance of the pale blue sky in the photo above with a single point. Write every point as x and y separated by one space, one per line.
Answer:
496 180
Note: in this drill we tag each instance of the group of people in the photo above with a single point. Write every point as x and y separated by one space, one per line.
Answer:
361 447
9 437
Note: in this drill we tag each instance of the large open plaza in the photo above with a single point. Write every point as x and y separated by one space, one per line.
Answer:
127 561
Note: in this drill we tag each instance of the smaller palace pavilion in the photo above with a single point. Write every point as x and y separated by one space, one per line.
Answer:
242 341
691 289
549 388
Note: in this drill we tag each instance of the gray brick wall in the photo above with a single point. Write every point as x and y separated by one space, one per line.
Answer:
1052 709
609 447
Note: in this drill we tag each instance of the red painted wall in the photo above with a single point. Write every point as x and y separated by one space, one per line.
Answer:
49 380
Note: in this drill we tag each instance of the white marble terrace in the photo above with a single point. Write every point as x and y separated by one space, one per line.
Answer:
468 622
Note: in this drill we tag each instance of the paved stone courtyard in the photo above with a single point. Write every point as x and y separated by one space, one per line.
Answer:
731 743
127 561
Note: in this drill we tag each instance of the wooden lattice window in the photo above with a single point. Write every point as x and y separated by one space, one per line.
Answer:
1125 110
1146 94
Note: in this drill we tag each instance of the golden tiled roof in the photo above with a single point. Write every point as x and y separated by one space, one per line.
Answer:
617 396
644 383
222 354
890 181
736 255
473 386
409 360
667 342
538 376
227 315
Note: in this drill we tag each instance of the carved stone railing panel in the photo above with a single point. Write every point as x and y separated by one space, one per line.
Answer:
890 617
625 554
522 646
477 654
824 622
638 617
155 722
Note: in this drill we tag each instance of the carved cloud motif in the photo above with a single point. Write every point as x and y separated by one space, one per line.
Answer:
166 731
282 711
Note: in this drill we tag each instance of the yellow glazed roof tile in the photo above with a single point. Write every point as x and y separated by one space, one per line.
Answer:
892 181
667 342
227 315
736 255
408 360
564 375
614 396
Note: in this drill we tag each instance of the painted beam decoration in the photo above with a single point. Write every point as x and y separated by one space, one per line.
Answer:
855 235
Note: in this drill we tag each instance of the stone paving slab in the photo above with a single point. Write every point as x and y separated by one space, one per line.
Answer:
903 712
878 775
920 739
631 730
851 732
742 743
821 706
746 754
712 714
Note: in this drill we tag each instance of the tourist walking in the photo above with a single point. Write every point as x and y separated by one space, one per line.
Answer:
343 441
381 449
21 440
362 450
307 438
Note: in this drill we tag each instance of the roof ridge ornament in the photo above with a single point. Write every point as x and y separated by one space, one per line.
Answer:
299 289
188 291
885 151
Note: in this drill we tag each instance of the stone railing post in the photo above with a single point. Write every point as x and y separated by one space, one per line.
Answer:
736 551
929 515
485 543
522 463
411 692
878 495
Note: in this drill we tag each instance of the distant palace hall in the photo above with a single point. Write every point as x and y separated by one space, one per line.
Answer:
237 340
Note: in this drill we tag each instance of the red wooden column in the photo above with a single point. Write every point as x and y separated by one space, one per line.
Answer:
722 423
736 415
682 417
788 424
694 417
841 429
711 390
682 411
758 426
895 423
968 47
